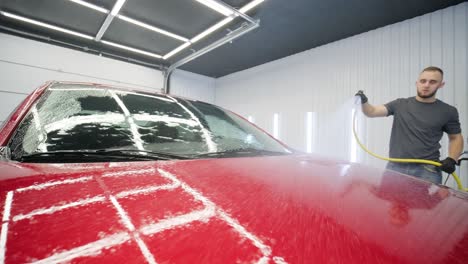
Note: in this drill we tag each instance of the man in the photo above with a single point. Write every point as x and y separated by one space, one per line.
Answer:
418 126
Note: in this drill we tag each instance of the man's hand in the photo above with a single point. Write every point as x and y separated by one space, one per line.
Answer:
448 165
361 94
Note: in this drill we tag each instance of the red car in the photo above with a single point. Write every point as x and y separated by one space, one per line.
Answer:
99 174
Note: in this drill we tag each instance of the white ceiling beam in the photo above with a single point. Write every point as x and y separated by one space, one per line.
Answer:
115 11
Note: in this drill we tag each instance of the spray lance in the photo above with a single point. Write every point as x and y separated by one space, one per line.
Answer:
361 97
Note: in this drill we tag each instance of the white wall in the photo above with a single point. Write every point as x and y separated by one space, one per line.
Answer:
383 62
26 64
194 86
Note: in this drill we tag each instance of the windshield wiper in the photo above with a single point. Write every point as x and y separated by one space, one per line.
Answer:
142 153
242 152
98 155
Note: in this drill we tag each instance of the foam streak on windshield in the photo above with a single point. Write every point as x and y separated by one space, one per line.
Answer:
206 134
133 127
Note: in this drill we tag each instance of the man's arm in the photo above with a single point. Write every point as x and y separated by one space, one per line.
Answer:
455 147
374 110
371 110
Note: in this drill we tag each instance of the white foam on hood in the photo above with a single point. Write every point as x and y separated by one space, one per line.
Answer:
128 173
147 190
129 225
91 249
53 183
205 215
181 220
56 208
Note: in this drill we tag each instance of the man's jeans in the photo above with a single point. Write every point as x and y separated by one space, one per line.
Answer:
423 171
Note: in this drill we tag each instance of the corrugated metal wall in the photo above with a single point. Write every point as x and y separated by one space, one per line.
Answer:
383 62
193 86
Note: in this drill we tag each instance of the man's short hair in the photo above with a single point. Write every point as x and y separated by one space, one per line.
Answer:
434 68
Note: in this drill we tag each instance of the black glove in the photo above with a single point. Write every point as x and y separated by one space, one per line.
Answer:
361 94
448 165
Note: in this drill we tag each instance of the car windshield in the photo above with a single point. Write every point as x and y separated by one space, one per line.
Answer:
76 118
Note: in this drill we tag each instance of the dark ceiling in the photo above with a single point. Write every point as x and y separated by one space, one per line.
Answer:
287 27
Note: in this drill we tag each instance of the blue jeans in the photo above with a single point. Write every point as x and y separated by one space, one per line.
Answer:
422 171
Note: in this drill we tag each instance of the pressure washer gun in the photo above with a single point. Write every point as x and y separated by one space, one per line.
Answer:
360 96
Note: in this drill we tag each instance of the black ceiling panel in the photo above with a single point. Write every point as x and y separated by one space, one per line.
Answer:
186 18
211 38
287 27
137 37
107 4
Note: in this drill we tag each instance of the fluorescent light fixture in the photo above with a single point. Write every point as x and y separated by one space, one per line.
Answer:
353 144
217 7
211 29
144 25
223 22
176 50
117 7
131 49
250 5
276 125
130 20
251 119
89 5
37 23
311 119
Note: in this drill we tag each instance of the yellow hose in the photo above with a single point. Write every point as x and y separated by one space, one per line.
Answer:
460 186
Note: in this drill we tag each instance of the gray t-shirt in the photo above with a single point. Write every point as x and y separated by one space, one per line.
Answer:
418 127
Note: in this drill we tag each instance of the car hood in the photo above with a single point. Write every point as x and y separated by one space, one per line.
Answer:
283 209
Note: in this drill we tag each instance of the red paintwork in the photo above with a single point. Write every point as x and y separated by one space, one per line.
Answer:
305 209
285 209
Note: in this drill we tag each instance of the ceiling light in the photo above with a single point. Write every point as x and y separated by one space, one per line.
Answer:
95 7
131 49
213 4
181 47
250 5
117 7
211 29
223 22
141 24
35 22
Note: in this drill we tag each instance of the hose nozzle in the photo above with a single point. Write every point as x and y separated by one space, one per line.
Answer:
361 96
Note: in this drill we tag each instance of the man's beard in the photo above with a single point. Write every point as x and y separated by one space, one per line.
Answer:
427 96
